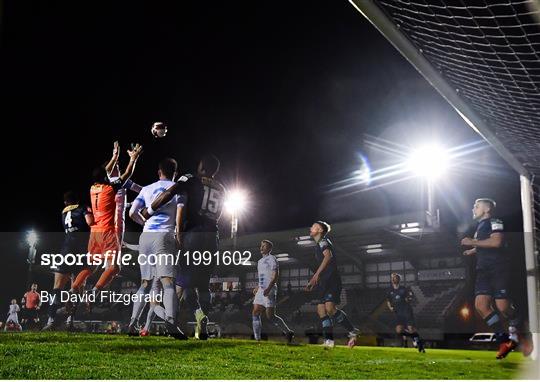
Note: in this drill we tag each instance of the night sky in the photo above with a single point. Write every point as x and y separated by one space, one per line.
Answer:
283 92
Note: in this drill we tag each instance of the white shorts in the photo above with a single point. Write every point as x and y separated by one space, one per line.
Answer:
266 301
158 249
13 318
148 272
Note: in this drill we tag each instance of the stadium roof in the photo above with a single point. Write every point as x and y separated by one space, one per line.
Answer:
399 237
482 56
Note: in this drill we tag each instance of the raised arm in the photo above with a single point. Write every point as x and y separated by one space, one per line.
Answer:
133 156
114 159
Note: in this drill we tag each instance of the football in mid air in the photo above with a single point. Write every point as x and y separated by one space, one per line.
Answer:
159 129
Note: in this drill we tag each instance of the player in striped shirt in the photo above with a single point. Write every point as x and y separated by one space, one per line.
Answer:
158 237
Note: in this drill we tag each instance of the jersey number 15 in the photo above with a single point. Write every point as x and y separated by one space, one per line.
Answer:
212 200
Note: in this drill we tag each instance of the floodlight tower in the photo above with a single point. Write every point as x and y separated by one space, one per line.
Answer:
235 204
32 239
429 162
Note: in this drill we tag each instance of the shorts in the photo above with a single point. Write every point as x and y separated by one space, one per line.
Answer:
157 253
492 282
104 244
328 291
405 317
29 314
74 243
13 318
196 276
266 301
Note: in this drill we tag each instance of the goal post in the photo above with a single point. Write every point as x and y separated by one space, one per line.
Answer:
494 89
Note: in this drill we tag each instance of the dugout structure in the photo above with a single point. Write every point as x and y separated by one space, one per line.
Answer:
483 57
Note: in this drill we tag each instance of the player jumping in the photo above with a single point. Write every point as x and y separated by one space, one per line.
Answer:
76 220
493 279
399 302
203 199
266 293
158 238
326 283
103 243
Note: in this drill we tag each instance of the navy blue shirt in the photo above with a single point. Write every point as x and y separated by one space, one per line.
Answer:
487 258
73 218
331 271
203 200
398 297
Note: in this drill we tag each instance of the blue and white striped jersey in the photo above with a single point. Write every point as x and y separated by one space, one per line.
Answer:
164 219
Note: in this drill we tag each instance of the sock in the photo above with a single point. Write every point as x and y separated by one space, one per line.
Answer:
403 341
139 303
80 280
514 324
513 333
191 299
494 322
160 312
341 318
257 327
149 317
327 328
169 301
204 300
53 306
279 323
107 276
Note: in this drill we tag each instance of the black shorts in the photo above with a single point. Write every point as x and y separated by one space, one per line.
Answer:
191 275
29 314
75 243
405 317
328 291
492 282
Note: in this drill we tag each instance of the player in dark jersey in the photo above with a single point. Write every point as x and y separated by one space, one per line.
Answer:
203 202
493 279
76 219
399 300
326 284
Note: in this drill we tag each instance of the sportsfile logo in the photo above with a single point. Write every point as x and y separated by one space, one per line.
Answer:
189 258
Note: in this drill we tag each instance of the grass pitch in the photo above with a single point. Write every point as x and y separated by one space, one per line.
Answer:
95 356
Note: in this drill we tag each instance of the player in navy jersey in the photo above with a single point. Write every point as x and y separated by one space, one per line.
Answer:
493 278
326 285
399 300
76 220
203 198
